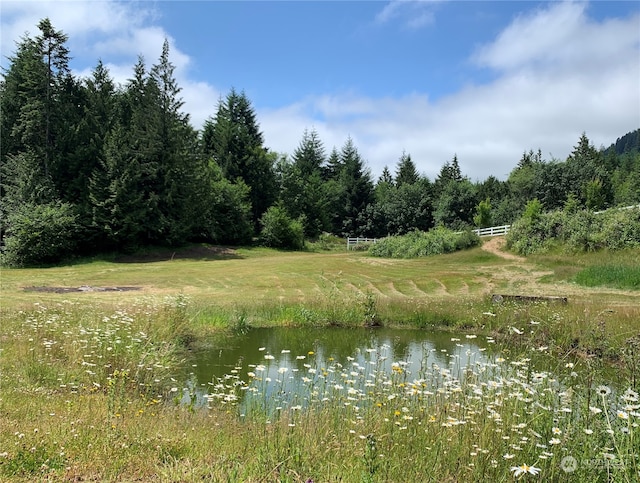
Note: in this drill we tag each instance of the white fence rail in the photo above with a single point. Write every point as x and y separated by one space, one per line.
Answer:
353 241
493 231
619 208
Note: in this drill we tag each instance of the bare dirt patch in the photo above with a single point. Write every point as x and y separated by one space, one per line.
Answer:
496 246
83 288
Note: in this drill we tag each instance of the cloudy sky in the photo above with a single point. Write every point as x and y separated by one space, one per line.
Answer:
483 80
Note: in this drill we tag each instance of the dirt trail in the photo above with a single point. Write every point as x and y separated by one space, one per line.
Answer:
495 246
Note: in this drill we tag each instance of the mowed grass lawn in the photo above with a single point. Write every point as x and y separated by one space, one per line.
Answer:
245 277
249 276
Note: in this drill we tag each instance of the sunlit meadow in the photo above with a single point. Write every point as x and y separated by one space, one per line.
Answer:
99 395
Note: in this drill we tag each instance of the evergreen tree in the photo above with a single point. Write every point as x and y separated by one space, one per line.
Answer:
96 124
19 87
56 58
25 178
117 195
585 166
386 177
181 172
302 191
406 171
126 186
233 139
309 156
450 172
38 99
152 184
356 191
333 167
383 188
492 188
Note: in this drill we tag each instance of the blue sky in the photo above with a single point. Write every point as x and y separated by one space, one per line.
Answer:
482 80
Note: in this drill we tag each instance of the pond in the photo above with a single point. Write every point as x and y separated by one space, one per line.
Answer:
285 363
268 370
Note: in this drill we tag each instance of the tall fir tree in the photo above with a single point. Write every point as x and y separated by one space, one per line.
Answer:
309 156
356 191
302 190
233 139
39 97
182 173
126 187
406 172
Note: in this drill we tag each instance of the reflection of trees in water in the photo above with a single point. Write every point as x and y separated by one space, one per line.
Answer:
289 358
226 353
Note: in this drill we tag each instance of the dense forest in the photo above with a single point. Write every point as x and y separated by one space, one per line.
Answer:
91 167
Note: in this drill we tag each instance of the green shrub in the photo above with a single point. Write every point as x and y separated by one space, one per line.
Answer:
621 229
327 241
280 231
422 244
578 230
581 231
39 234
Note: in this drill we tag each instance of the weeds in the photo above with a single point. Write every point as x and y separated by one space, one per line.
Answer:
421 244
616 276
110 402
240 323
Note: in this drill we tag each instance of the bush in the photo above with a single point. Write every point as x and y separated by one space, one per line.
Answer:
621 229
421 244
280 231
328 241
529 233
40 234
580 230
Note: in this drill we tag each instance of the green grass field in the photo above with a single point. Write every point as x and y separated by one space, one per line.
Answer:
87 376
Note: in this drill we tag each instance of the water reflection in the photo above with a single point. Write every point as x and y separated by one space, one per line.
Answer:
280 354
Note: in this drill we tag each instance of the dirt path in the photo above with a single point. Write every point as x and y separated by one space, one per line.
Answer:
495 245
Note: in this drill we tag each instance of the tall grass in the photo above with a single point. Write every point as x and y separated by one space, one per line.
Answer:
89 394
610 275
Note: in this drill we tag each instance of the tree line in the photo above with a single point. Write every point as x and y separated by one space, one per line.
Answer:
88 166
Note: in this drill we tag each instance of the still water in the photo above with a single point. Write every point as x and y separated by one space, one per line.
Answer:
283 356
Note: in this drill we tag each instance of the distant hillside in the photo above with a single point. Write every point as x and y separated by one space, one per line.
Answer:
629 143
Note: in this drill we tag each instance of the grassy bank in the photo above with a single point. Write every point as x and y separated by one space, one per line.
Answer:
88 386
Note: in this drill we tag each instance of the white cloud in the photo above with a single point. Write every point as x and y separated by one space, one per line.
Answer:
413 14
79 20
559 73
562 38
117 32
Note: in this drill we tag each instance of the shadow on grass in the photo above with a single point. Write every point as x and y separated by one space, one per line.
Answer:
193 252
